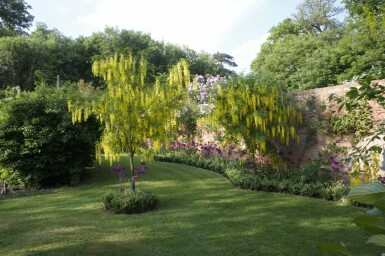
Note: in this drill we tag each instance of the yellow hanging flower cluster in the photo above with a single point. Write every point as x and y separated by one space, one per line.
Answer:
254 113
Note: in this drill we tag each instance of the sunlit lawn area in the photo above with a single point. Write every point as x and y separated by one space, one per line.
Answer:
200 213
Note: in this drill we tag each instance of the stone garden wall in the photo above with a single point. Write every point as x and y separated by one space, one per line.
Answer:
315 104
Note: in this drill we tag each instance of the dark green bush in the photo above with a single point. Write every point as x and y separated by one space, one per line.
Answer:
236 176
335 191
291 184
141 201
284 185
313 171
39 141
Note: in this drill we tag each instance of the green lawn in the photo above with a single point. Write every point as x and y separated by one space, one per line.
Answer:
200 213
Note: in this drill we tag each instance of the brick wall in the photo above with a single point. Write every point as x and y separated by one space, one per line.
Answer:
302 151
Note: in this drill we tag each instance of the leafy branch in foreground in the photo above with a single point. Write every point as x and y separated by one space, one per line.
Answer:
373 222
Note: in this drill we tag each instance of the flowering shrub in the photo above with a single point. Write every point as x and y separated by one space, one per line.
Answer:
123 177
129 201
204 88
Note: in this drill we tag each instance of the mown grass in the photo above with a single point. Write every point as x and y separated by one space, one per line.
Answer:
200 213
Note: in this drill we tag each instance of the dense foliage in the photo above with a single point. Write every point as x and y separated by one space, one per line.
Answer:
14 17
314 48
39 142
47 53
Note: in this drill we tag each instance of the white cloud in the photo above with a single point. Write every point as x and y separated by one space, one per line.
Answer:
199 24
246 53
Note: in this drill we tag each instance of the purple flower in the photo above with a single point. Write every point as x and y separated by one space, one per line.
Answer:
122 190
138 170
118 168
335 167
134 178
142 163
231 147
121 180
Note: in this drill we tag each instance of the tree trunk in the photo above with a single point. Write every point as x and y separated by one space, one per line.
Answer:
132 181
254 164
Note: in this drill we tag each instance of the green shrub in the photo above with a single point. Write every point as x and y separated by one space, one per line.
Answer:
312 189
335 191
141 201
313 171
39 141
236 176
284 185
12 178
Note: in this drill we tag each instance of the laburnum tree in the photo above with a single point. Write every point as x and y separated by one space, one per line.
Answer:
254 113
134 113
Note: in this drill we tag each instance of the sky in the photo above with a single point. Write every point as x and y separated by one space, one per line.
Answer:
235 27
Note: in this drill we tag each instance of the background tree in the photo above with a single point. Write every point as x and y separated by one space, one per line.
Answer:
364 28
19 58
47 53
360 7
303 52
316 16
134 112
286 27
62 55
224 58
14 17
